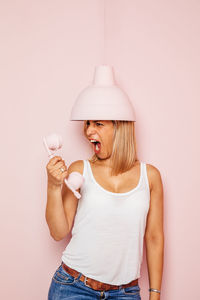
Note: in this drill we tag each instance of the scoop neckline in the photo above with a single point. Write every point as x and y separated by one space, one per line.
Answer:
112 193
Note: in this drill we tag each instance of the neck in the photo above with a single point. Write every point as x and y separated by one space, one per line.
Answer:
105 162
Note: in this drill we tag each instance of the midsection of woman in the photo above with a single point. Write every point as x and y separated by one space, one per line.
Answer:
109 225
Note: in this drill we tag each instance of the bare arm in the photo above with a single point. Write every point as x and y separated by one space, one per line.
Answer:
61 205
55 216
154 235
70 202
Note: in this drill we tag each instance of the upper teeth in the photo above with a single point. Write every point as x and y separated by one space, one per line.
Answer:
92 141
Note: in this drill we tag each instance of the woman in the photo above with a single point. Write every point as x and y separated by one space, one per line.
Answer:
121 204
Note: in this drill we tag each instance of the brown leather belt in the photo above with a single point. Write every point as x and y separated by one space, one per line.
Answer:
94 284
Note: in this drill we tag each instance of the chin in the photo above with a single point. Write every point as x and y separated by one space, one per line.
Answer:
99 156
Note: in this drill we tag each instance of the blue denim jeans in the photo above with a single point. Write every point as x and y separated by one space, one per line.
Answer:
64 286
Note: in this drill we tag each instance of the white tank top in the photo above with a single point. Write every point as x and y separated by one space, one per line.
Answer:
108 231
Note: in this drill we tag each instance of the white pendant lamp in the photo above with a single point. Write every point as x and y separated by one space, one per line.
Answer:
103 99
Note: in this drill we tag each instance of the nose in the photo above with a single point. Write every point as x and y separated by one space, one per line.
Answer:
90 130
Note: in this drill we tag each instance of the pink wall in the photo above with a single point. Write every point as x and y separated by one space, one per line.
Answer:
48 53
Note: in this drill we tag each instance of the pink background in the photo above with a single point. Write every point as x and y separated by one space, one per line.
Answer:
48 53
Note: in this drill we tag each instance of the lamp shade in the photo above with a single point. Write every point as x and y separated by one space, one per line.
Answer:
103 99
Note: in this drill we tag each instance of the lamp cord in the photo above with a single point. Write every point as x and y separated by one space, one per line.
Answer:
104 32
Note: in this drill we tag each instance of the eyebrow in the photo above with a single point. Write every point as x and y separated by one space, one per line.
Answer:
95 120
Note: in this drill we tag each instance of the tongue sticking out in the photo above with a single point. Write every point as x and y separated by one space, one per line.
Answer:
97 147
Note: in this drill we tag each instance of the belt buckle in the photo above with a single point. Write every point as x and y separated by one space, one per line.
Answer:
85 279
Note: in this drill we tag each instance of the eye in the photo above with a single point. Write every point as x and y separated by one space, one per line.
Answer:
98 124
88 123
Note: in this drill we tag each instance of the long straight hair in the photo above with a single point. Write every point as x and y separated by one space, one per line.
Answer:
124 152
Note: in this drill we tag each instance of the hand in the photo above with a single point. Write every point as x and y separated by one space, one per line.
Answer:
55 175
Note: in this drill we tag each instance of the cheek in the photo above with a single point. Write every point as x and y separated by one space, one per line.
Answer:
109 142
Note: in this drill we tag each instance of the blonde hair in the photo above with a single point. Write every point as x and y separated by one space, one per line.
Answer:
124 152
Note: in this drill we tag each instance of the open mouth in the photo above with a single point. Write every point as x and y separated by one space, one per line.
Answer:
96 146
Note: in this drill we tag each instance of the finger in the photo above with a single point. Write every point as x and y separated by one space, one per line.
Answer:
61 171
54 160
60 165
64 174
60 175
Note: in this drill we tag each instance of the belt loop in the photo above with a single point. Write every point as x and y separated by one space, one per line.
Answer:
85 279
79 275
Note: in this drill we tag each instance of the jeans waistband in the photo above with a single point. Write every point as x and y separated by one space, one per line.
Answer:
95 284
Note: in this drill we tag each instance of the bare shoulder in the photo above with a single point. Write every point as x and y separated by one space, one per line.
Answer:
154 176
76 166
